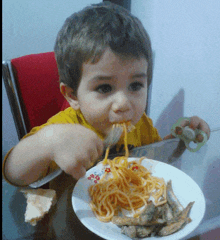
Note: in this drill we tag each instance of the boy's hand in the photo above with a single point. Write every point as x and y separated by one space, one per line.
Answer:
74 148
195 123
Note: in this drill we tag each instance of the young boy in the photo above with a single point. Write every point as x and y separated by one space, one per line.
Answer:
104 59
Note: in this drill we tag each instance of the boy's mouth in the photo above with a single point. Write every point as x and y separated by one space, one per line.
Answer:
128 125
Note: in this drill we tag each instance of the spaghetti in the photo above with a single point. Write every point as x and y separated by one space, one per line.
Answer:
129 186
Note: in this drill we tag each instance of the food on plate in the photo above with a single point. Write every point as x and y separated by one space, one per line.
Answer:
129 196
39 202
178 222
128 185
164 221
145 217
176 206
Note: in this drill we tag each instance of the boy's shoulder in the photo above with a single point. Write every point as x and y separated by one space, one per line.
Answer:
144 122
146 131
69 115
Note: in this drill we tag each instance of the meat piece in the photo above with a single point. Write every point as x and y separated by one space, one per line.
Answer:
178 222
129 231
148 213
183 214
163 212
142 231
173 227
160 212
168 215
131 221
172 200
144 219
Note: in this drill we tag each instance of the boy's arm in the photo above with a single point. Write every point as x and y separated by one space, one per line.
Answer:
28 160
72 146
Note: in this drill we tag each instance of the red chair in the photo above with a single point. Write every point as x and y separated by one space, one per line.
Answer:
32 86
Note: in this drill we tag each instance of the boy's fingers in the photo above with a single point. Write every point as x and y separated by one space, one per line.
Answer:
79 171
197 123
91 160
100 147
185 123
194 123
80 174
96 152
199 138
169 136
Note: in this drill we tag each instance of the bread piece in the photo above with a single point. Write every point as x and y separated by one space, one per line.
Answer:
39 202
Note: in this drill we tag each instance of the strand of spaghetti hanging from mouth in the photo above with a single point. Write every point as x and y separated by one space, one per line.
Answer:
127 127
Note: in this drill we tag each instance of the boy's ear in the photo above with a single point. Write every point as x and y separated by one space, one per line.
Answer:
68 93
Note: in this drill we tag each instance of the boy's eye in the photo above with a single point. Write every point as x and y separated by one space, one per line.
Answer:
136 86
104 88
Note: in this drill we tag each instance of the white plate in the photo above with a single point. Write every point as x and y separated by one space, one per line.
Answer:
184 187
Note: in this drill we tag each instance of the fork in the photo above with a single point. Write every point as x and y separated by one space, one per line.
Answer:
113 136
111 139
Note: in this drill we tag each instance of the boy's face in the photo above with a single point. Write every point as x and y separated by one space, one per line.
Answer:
112 90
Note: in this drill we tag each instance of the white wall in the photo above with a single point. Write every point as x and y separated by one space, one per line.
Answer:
30 26
186 40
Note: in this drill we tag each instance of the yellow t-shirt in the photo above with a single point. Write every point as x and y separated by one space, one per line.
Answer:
143 134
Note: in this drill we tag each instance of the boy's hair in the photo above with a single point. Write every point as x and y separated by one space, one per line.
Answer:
85 36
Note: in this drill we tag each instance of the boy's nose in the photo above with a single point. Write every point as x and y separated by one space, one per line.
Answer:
121 103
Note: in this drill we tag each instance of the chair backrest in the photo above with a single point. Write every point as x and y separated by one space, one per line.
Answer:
32 86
